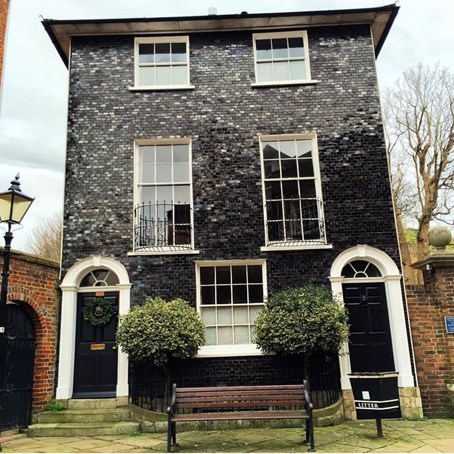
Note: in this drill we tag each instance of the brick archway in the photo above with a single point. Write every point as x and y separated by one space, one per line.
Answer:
33 285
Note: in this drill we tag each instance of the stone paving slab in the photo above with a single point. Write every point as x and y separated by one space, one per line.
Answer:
425 436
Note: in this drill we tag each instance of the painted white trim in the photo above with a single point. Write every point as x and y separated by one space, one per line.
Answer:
161 39
392 280
284 83
165 252
295 248
70 289
210 351
305 58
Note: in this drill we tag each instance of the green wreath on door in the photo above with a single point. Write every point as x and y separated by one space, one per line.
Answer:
98 312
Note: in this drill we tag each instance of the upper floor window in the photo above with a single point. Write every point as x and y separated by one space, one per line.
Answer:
162 62
281 58
163 196
230 295
292 191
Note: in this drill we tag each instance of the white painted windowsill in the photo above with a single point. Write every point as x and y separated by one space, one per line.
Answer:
295 248
165 252
162 88
284 83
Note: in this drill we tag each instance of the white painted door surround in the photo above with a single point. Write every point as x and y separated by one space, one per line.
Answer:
70 289
392 280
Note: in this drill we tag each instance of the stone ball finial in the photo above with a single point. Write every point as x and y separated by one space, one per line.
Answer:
440 237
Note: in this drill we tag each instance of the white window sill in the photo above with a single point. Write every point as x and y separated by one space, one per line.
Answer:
216 351
284 83
295 248
162 87
165 252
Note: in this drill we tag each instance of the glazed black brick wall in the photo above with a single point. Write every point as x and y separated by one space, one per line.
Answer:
223 116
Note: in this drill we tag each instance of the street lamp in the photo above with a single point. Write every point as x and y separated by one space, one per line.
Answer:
13 206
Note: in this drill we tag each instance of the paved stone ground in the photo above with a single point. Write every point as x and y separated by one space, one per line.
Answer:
425 436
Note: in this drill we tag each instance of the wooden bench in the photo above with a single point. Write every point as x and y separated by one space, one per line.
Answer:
232 403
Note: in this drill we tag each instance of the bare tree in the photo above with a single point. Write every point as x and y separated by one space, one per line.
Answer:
45 240
419 119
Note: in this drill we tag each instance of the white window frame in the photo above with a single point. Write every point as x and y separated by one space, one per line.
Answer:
162 250
159 40
282 35
229 350
275 246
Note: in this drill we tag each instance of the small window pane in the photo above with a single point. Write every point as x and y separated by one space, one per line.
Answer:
224 294
373 271
208 295
207 275
182 194
263 47
225 335
270 150
272 169
296 47
146 154
178 52
146 53
210 334
241 335
254 274
181 172
311 230
209 316
281 70
180 153
147 76
88 281
297 70
253 312
289 168
146 173
164 194
290 189
293 229
223 275
162 52
179 75
292 209
240 315
274 210
273 190
264 72
287 149
280 49
348 271
225 316
163 75
238 274
255 294
309 209
305 168
147 194
240 294
304 148
163 153
307 188
164 174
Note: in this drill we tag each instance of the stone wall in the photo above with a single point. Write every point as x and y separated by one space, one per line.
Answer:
33 283
428 305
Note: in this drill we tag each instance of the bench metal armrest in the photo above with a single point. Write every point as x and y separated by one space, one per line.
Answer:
309 405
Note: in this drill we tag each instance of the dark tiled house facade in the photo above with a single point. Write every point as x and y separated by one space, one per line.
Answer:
221 163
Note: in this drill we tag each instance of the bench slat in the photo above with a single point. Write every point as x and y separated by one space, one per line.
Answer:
265 388
229 416
249 404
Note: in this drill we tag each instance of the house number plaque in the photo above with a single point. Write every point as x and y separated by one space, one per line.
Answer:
97 346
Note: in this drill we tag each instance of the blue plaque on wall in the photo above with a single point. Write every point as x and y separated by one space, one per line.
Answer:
449 322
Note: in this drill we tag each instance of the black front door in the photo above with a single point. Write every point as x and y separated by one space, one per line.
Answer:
95 369
370 343
17 357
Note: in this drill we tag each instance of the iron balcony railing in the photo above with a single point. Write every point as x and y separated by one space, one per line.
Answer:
162 225
295 222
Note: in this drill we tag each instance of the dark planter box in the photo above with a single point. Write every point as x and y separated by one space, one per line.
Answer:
376 395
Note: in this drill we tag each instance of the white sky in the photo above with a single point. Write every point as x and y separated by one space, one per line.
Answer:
35 86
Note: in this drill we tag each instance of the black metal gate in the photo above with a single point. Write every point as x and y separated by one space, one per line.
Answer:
17 358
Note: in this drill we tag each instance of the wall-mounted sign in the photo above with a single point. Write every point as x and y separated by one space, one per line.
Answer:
449 322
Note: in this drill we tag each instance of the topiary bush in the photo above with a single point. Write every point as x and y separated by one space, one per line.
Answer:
160 330
301 321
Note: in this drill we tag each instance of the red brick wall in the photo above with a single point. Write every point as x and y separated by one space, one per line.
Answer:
434 349
3 17
33 282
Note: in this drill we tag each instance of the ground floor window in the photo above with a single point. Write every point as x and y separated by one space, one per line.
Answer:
230 295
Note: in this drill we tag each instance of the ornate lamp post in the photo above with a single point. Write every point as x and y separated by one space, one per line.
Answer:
13 206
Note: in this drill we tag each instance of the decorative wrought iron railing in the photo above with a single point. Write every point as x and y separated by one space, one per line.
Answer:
295 222
162 225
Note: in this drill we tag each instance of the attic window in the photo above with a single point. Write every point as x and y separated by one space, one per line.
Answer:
162 62
281 58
